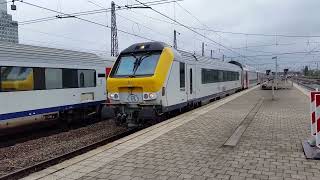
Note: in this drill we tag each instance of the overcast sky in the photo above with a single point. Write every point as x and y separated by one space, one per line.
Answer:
287 17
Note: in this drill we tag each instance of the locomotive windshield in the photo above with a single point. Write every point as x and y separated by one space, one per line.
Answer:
136 65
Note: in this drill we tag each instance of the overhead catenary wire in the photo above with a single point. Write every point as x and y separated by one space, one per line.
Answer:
279 54
128 19
59 44
236 33
187 27
91 12
259 34
62 36
86 20
67 14
265 45
143 37
193 27
152 3
199 21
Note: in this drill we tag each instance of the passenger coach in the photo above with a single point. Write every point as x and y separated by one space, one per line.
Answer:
40 84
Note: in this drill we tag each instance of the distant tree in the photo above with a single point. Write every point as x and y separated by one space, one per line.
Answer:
306 70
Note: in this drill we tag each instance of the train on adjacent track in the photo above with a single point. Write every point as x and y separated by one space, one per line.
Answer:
40 84
151 79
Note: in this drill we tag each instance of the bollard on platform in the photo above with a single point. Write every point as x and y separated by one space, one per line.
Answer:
313 127
317 119
312 146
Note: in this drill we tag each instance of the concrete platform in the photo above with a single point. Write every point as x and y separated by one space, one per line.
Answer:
191 146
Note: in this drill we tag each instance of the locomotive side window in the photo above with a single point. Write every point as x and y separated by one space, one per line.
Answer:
53 78
182 76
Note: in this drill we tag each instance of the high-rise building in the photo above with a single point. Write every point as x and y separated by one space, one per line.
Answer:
3 6
8 27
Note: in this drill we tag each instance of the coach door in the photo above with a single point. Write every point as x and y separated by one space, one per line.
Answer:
191 83
247 80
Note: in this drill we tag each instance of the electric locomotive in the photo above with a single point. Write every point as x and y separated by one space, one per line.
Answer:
151 79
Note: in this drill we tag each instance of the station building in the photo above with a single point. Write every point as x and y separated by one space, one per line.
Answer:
8 27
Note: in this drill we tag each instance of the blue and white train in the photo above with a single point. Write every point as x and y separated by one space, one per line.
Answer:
42 84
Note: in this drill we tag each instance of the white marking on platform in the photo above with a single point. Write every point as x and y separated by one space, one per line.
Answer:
236 136
301 89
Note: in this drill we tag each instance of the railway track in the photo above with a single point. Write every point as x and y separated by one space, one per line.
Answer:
20 159
46 163
307 83
21 155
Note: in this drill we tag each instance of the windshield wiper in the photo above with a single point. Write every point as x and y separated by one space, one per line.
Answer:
135 64
138 62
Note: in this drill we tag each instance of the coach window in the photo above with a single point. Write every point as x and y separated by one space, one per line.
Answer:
39 78
81 79
16 79
53 78
182 76
87 78
0 78
229 76
70 78
225 76
237 76
221 76
215 76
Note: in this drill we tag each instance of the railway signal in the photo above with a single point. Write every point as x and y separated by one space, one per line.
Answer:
13 6
268 72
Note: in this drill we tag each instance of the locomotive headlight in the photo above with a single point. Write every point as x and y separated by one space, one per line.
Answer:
149 96
114 96
152 96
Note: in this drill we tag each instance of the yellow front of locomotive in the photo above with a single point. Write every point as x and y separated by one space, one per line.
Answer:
136 84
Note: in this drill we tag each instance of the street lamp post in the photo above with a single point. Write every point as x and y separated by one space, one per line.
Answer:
275 79
276 75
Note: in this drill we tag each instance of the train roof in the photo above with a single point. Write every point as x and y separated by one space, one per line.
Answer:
249 68
187 56
145 46
36 54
